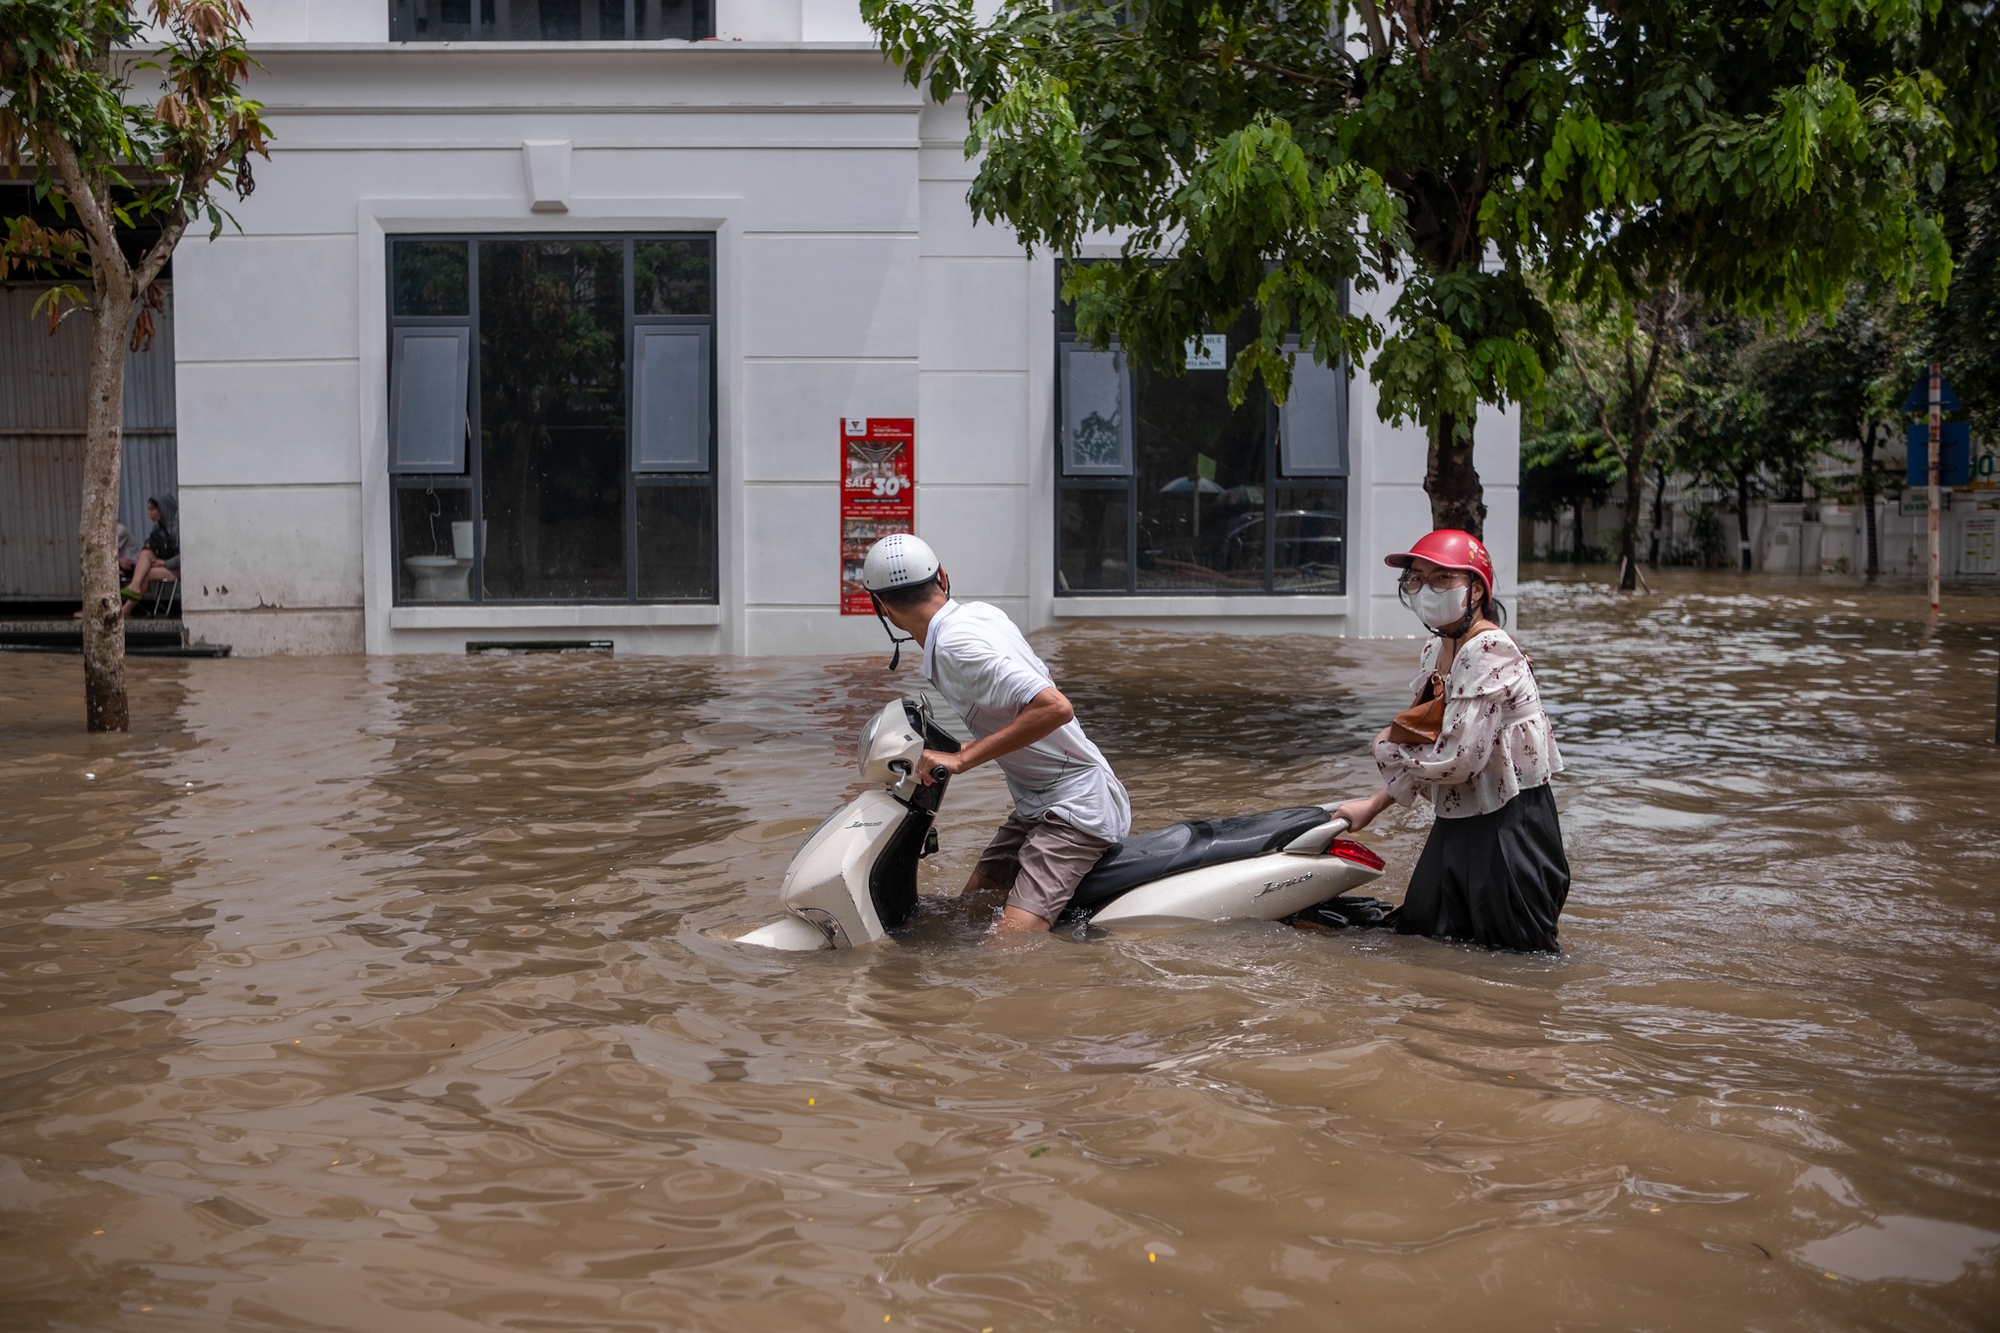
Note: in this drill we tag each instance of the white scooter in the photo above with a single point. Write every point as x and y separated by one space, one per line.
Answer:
855 879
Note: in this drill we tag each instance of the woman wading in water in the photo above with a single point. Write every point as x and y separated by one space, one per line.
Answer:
1477 742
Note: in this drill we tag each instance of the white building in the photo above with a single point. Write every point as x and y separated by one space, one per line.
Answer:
771 227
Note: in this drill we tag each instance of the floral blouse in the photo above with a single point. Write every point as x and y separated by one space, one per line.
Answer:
1495 742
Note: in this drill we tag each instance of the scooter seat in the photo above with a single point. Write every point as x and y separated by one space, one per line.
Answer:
1179 847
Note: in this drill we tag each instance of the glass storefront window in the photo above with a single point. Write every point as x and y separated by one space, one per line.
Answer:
551 505
1199 483
429 278
672 277
676 540
552 419
1309 539
1092 539
1203 504
550 20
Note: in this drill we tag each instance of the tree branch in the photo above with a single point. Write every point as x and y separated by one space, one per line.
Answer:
98 228
1265 67
1378 41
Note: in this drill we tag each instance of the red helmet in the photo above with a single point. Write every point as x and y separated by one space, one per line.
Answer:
1448 548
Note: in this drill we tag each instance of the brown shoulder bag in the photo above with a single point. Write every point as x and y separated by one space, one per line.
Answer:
1420 723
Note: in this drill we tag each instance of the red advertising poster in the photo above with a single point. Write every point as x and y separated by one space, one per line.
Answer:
878 493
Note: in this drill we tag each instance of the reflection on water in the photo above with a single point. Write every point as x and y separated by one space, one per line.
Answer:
395 995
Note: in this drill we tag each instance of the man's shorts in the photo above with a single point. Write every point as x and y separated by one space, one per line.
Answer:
1039 862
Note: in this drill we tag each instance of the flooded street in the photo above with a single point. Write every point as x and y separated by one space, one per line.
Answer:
397 995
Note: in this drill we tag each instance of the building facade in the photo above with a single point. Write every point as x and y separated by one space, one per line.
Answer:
535 332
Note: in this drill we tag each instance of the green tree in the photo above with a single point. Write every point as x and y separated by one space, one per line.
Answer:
1624 363
1843 379
1728 433
118 158
1269 152
1963 332
1567 462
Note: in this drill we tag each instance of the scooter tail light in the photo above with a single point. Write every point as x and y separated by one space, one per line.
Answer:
1349 850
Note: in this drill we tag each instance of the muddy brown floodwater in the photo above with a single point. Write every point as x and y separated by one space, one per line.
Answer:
396 995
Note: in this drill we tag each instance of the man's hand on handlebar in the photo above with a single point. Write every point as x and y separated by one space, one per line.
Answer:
933 760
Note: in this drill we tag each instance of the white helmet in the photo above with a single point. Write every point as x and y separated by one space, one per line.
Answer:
900 560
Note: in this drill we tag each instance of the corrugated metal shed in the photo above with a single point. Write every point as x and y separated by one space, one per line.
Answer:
43 380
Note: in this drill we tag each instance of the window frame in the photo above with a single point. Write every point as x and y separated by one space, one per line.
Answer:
1127 484
473 477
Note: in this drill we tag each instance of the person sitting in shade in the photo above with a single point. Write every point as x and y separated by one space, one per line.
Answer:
128 559
160 561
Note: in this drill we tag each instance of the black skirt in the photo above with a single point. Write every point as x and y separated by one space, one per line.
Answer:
1499 880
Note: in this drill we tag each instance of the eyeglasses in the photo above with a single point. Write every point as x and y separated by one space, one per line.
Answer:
1443 579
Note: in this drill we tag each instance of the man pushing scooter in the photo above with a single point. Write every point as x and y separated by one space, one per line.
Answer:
1068 805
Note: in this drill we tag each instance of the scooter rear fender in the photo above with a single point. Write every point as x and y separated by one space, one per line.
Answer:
1263 888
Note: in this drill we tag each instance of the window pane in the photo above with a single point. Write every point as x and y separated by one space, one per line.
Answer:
1311 550
547 20
434 545
1312 425
1200 483
427 399
1090 544
671 405
671 277
429 277
680 20
677 543
552 399
1096 435
542 20
431 20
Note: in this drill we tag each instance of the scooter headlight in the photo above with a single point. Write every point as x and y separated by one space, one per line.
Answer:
868 734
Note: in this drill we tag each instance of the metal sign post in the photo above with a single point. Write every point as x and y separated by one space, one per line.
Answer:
1936 449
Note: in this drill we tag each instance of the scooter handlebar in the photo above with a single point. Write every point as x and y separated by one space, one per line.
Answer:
939 773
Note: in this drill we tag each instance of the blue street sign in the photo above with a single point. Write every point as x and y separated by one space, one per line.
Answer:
1954 459
1920 397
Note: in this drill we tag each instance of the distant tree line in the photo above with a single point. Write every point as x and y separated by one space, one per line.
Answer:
1675 385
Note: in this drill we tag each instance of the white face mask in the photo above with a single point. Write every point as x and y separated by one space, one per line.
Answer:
1441 608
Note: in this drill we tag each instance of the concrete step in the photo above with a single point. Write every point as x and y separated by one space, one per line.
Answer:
166 636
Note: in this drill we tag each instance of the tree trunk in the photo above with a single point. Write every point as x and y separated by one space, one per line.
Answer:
1659 512
1743 521
1874 564
1628 536
1457 499
97 530
1576 532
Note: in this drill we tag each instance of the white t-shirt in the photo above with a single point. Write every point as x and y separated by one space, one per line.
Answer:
986 671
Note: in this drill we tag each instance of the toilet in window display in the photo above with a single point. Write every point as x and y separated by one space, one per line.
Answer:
444 578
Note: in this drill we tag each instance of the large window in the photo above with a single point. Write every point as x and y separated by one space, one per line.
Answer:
551 423
550 20
1162 487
